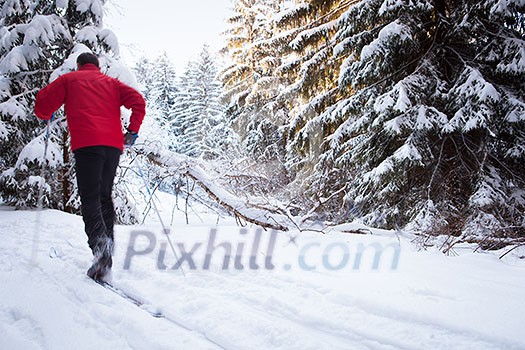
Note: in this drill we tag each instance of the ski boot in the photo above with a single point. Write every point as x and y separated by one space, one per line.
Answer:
102 261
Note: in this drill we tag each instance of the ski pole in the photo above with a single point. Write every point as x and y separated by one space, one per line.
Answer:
40 200
164 229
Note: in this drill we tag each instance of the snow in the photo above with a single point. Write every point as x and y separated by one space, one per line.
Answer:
516 151
87 34
92 34
390 5
476 85
514 53
36 180
407 151
95 6
487 222
397 98
428 301
44 30
16 60
342 48
418 117
479 96
505 7
394 29
234 204
9 37
426 218
487 193
517 113
120 71
395 124
62 3
14 7
34 152
427 117
13 108
384 167
110 39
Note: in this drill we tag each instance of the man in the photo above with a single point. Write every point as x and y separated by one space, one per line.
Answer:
92 106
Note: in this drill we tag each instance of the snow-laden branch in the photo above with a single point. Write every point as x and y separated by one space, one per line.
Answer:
242 209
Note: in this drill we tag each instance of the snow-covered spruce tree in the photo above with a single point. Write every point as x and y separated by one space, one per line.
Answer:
158 85
427 129
17 125
309 70
297 79
198 114
179 121
163 87
40 41
144 73
250 82
35 40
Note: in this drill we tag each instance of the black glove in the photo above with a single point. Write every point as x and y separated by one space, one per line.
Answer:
129 138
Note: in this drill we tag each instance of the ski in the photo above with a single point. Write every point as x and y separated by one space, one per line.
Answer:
128 297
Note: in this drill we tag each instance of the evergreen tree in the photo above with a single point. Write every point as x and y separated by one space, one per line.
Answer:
406 113
163 86
144 72
297 69
180 121
250 82
40 40
435 119
158 85
198 113
23 53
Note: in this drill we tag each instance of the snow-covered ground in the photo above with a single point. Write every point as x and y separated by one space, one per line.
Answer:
412 300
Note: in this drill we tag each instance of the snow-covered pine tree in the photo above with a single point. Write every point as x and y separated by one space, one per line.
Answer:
35 41
310 70
179 122
205 92
296 79
250 83
158 84
198 113
427 129
249 24
40 41
144 73
163 86
405 113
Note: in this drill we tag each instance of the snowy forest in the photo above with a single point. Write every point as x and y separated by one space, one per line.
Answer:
399 114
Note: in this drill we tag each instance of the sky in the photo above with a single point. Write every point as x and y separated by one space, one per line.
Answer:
179 27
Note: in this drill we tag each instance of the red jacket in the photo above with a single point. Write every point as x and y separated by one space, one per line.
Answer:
92 105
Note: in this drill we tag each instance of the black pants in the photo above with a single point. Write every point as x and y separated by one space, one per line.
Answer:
96 167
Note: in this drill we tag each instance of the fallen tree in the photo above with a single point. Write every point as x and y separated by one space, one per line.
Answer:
266 216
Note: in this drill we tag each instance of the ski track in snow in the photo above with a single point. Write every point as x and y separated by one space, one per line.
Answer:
472 301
